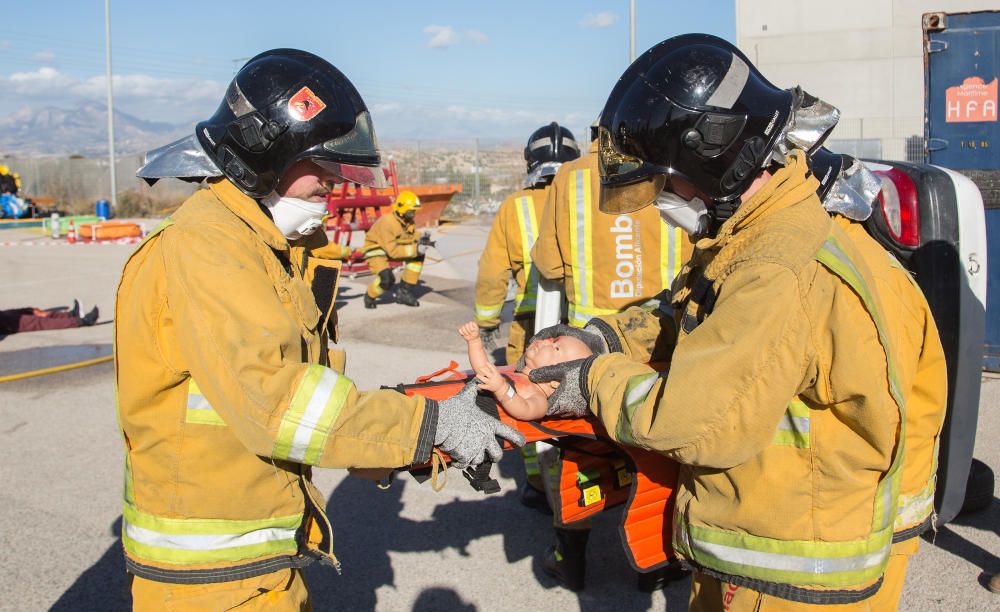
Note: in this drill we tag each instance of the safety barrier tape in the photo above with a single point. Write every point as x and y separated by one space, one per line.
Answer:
15 243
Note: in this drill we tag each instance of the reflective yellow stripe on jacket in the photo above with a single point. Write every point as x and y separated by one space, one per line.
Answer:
914 509
807 562
527 223
582 308
670 254
198 409
196 541
581 228
306 423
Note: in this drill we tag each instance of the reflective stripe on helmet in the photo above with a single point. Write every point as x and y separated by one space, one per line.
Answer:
309 417
527 223
196 541
731 86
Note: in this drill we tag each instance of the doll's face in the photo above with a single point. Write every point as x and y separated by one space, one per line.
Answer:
551 351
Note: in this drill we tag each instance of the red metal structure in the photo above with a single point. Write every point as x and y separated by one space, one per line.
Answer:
354 208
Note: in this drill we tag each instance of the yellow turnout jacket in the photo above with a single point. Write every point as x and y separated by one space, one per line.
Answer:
508 254
785 398
226 400
606 262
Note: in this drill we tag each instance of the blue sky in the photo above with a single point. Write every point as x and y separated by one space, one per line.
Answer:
427 69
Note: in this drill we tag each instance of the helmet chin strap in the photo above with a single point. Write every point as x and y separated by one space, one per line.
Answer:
294 217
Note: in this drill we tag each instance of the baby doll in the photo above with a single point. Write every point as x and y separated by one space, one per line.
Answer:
531 401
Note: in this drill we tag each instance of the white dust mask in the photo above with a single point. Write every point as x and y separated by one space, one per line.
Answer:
295 217
689 215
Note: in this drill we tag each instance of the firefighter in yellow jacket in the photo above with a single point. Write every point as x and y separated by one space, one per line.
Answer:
791 373
393 237
227 390
507 255
606 263
515 229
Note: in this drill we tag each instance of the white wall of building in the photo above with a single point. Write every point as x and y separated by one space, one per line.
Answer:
863 56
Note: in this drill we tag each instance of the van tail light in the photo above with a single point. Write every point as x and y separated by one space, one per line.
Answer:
898 200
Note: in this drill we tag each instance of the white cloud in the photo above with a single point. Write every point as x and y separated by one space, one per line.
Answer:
47 82
41 82
477 37
385 107
440 36
43 57
604 19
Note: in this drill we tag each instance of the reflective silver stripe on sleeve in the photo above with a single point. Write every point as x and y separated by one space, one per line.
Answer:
313 412
639 392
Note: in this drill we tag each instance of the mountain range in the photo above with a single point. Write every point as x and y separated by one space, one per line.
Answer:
53 131
80 131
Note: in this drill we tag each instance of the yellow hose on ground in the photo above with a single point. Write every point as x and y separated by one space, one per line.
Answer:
54 369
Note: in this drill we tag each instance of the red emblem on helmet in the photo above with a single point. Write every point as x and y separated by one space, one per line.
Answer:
305 105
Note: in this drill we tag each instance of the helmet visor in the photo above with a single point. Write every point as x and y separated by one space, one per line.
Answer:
355 155
628 183
621 199
362 175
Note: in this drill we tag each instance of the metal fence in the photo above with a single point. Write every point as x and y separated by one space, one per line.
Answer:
488 172
74 184
899 139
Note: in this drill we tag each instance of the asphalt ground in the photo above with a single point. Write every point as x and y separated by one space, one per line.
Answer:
407 548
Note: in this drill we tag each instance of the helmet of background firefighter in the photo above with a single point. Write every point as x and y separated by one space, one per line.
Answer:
406 205
548 147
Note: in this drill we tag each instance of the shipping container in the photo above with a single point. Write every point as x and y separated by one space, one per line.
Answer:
961 68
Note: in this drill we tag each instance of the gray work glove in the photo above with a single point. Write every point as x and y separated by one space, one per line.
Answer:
468 434
424 243
572 398
489 336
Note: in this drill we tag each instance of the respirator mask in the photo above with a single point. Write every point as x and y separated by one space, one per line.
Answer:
295 217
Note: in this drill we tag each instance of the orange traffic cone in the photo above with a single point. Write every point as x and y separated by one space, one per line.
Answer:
71 232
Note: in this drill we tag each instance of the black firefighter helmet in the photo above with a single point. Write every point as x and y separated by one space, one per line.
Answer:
287 105
692 108
548 147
